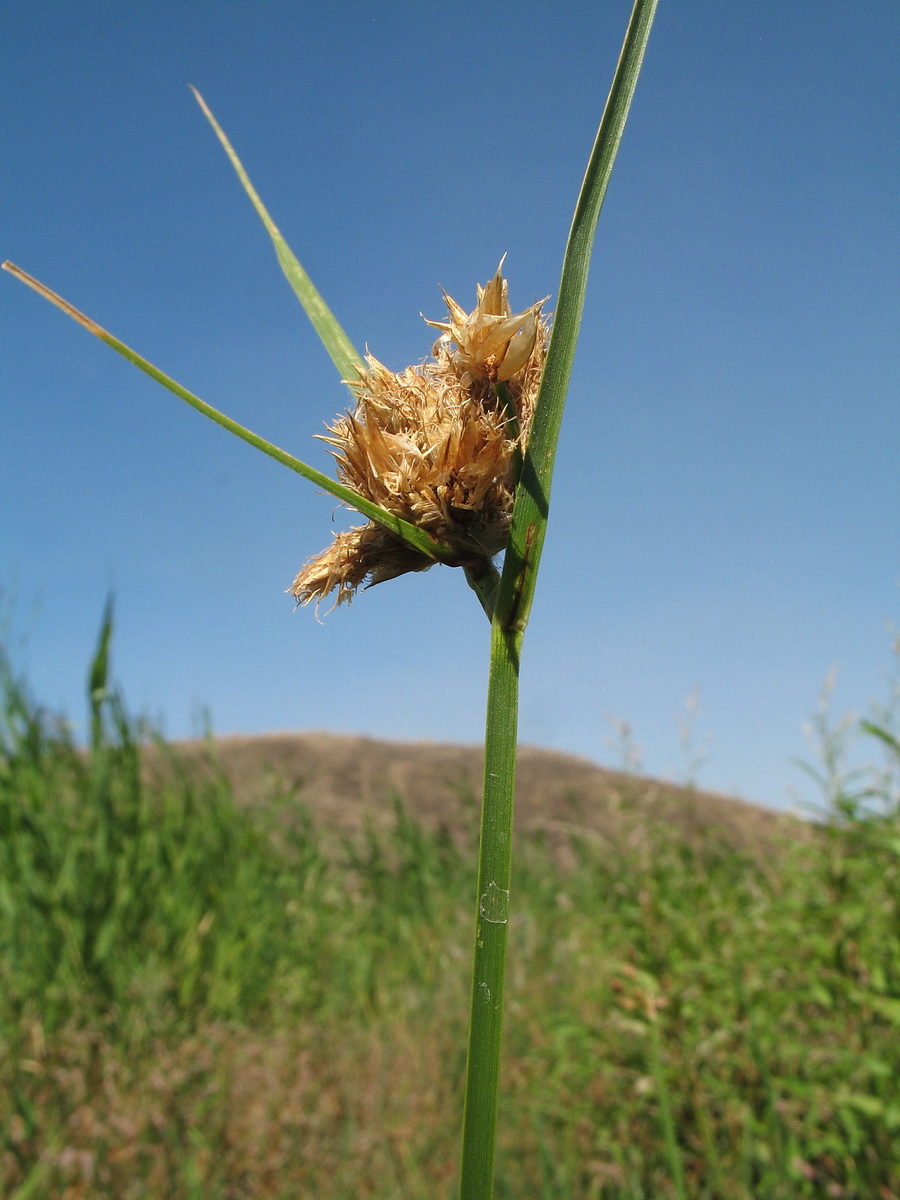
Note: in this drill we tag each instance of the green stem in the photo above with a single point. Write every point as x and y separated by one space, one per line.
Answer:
492 915
510 617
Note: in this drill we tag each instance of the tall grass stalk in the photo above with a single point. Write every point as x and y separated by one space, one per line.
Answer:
520 568
507 600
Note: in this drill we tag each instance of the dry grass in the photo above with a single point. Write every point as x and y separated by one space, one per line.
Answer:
346 781
225 1112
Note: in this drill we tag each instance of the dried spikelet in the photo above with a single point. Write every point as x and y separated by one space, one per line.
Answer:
434 445
491 342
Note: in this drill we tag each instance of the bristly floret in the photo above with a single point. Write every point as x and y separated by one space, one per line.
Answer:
491 342
435 445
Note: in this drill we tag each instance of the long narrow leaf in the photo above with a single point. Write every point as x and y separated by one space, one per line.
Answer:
880 732
342 351
410 534
529 522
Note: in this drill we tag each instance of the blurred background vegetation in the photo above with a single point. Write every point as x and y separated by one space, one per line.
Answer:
201 997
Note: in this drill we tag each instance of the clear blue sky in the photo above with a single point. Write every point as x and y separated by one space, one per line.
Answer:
725 510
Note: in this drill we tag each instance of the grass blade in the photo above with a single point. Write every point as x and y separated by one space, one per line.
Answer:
885 735
410 534
342 351
529 523
98 677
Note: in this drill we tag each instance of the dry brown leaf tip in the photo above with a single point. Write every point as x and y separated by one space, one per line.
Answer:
434 445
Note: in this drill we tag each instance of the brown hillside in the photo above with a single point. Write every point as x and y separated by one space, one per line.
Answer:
345 780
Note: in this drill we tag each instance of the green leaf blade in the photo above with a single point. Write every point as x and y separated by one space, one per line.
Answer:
341 350
529 521
418 538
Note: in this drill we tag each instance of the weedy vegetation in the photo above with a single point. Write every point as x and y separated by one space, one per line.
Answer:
201 998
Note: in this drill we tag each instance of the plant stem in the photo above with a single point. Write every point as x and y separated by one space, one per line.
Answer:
495 857
510 617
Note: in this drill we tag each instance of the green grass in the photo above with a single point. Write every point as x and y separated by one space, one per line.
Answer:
200 999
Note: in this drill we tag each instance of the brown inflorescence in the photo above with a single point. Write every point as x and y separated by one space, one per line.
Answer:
436 445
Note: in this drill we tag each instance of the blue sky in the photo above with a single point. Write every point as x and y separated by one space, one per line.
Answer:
725 508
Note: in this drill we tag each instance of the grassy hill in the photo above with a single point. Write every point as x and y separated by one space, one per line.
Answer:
346 781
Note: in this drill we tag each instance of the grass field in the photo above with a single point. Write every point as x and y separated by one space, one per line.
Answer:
201 998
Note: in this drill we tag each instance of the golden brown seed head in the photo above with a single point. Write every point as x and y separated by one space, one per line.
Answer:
491 342
434 445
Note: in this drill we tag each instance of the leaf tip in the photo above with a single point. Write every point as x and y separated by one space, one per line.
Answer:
203 105
48 294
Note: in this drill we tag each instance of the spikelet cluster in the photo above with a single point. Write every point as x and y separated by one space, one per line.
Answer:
436 445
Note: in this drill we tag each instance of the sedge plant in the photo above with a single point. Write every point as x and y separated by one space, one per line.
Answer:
451 462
